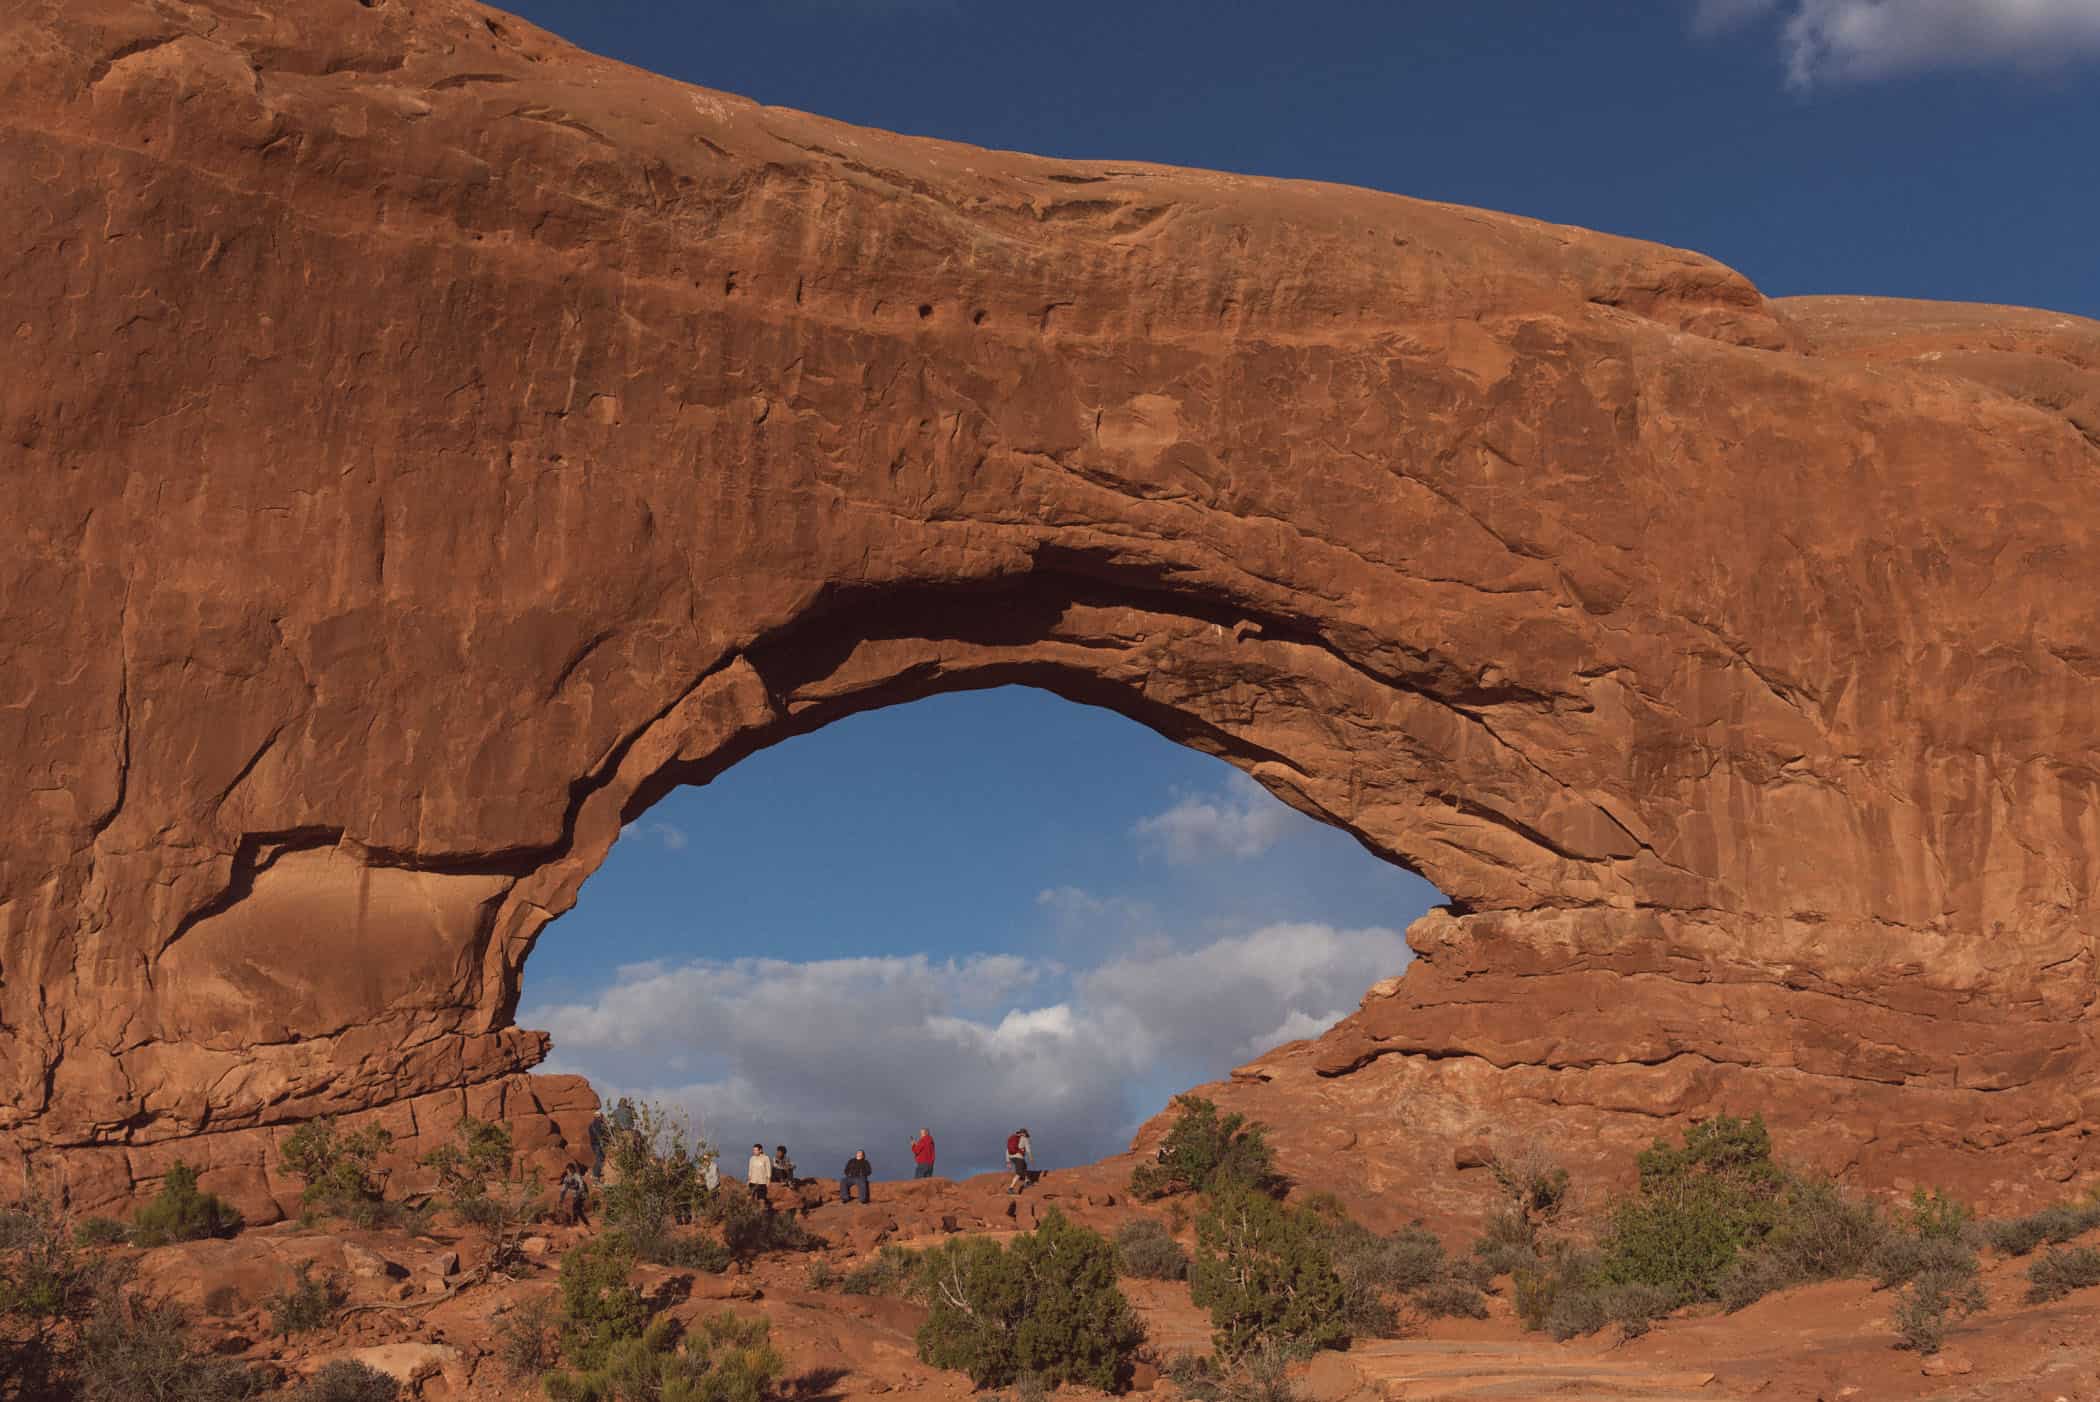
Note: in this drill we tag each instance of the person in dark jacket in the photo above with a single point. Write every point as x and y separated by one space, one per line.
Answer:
600 1132
856 1174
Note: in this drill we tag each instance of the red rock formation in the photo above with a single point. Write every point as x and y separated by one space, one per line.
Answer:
428 444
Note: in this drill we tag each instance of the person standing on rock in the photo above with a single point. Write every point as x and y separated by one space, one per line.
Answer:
1019 1154
922 1155
760 1174
856 1174
599 1132
574 1193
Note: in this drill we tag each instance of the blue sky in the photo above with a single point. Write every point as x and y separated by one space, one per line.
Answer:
999 908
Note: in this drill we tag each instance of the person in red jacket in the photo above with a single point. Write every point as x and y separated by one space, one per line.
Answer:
922 1155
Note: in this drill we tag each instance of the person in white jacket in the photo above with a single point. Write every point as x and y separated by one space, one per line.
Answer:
761 1172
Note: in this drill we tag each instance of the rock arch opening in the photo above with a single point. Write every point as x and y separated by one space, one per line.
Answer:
977 909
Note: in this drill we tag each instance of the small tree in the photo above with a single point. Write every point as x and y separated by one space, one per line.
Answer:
657 1178
725 1359
47 1291
340 1169
179 1212
474 1174
600 1306
1208 1152
1046 1306
1264 1272
1698 1205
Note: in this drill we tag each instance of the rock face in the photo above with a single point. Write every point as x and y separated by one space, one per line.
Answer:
428 444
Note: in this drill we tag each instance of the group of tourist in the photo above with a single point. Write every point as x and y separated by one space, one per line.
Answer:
764 1170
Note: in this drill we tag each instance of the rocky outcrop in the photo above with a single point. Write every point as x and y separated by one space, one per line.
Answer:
429 444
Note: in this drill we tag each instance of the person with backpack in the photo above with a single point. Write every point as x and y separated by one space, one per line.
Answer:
574 1194
857 1172
1019 1155
922 1155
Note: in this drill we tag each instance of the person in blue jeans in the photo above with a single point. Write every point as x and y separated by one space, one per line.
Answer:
856 1174
922 1155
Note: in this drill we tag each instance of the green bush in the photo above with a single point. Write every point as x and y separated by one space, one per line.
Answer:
1206 1152
2052 1225
892 1272
749 1230
1818 1233
1931 1302
1902 1258
181 1213
101 1231
1265 1273
1047 1305
305 1303
725 1359
340 1170
2059 1272
347 1380
133 1347
1375 1269
1146 1250
1933 1216
690 1251
48 1290
600 1306
1697 1206
656 1179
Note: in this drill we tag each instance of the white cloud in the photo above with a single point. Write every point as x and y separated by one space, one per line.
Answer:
833 1055
1244 821
1826 41
669 834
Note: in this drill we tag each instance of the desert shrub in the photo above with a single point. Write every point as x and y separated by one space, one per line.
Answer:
347 1380
1374 1269
1534 1182
2018 1236
1933 1216
101 1231
1818 1233
179 1212
820 1276
1697 1205
600 1306
690 1251
1451 1299
1265 1273
725 1358
528 1338
1146 1250
340 1170
1931 1302
1903 1257
1047 1304
1573 1296
1508 1243
657 1178
749 1230
222 1301
1262 1375
306 1302
2059 1272
1208 1152
475 1179
48 1290
892 1271
133 1347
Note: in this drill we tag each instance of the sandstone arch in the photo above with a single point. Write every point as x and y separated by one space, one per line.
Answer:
431 441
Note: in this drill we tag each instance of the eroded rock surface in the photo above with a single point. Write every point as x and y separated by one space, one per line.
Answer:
428 443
